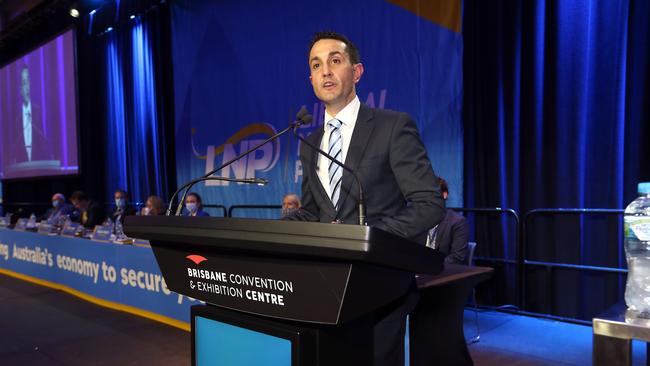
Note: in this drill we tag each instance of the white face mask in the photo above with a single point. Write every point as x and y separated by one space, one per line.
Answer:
191 207
120 202
55 203
146 211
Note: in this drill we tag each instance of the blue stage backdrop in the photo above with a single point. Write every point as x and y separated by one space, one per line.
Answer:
241 74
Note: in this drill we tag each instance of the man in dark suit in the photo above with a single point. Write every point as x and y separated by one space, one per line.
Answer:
122 206
87 212
451 235
384 148
59 209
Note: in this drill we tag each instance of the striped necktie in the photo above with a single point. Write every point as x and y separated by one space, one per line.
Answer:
335 171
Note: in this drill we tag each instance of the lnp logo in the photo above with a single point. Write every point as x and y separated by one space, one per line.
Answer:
197 259
261 160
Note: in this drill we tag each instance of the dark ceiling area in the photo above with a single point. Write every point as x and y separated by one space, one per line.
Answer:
25 25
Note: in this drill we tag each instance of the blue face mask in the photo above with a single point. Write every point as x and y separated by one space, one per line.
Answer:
55 203
120 202
191 207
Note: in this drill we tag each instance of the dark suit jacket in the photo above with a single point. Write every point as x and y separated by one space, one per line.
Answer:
452 236
401 193
40 147
64 209
95 215
118 214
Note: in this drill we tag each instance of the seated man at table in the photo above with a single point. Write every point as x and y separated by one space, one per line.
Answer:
122 206
88 212
58 210
451 235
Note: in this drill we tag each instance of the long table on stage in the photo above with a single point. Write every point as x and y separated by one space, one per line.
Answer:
117 276
436 334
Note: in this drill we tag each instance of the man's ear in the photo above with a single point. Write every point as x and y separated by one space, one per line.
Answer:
358 72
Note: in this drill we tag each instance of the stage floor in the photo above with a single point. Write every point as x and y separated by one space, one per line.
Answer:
41 326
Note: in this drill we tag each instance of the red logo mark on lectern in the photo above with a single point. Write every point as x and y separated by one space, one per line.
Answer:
196 258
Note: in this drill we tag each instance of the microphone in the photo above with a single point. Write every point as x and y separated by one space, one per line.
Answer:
362 206
302 117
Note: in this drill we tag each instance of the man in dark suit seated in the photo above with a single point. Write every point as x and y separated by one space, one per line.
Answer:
451 235
58 210
87 212
384 148
122 206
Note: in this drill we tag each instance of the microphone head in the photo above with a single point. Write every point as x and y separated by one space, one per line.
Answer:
307 119
301 113
303 117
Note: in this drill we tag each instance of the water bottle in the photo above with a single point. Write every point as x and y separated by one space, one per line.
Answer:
637 251
119 230
31 223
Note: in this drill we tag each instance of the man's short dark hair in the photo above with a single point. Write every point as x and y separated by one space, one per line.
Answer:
78 196
443 185
352 50
124 193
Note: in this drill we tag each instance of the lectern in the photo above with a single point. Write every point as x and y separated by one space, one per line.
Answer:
282 292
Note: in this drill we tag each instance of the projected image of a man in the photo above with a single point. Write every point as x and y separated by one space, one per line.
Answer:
27 111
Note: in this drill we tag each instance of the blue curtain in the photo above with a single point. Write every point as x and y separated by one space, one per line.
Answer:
116 118
136 149
556 115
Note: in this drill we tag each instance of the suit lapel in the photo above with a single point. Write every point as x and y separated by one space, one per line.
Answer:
360 138
319 189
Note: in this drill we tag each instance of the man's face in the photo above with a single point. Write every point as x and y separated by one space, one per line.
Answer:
119 195
58 198
80 205
290 202
332 75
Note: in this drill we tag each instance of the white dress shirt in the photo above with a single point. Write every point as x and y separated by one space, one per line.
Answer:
348 118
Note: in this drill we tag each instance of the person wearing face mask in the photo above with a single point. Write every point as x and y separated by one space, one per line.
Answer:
122 207
194 205
59 208
153 207
290 204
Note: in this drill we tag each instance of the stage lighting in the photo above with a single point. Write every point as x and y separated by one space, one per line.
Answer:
74 13
132 17
109 29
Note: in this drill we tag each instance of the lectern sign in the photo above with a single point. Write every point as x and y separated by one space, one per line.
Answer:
266 290
307 272
287 289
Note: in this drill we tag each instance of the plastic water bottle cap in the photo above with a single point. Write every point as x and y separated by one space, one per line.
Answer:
644 188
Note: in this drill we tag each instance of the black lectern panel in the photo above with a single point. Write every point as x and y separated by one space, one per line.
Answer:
289 238
309 272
